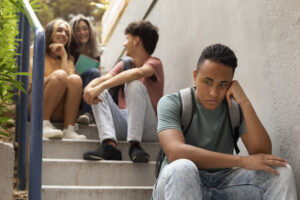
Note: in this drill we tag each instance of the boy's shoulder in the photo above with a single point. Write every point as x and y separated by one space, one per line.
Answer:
153 60
172 97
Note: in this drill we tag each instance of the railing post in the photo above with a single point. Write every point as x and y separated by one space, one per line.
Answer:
36 126
22 150
19 63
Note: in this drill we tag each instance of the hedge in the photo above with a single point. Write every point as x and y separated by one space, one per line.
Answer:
8 67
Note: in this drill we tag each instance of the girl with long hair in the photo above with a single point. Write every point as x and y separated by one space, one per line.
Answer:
62 87
84 41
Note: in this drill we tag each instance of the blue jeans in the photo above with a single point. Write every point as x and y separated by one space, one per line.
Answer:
87 77
136 123
182 180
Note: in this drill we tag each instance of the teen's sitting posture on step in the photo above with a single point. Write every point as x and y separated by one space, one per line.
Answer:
135 118
62 88
199 163
84 41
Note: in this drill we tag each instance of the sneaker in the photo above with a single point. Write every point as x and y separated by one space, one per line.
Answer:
49 131
69 133
86 118
137 153
105 152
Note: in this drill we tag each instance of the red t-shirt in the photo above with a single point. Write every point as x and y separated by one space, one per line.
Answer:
154 84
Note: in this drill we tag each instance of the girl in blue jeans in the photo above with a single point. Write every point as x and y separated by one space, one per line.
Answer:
84 41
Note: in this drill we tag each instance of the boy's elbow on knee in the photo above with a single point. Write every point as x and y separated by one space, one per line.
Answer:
173 154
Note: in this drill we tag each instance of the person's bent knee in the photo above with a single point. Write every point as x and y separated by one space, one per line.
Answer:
58 77
135 86
176 172
93 72
286 172
74 81
181 167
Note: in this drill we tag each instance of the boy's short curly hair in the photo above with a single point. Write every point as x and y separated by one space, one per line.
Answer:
218 53
146 31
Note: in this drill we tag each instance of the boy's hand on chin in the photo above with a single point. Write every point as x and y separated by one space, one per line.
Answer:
237 93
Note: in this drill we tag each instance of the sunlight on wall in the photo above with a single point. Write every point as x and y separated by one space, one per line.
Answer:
111 18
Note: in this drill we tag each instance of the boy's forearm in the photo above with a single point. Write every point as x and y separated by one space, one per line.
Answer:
205 159
97 81
257 135
119 79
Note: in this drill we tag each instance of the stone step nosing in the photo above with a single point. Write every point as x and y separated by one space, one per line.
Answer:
71 187
95 193
71 140
92 161
91 141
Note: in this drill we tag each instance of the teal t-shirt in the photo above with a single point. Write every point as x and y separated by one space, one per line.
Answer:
210 129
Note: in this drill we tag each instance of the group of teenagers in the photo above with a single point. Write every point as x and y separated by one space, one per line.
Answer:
199 161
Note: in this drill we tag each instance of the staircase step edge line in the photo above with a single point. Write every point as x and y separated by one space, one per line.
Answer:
95 187
70 140
91 140
89 161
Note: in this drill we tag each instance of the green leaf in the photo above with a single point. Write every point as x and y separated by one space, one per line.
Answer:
7 134
22 73
17 5
4 119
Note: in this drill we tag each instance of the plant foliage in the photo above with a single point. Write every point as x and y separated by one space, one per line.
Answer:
8 67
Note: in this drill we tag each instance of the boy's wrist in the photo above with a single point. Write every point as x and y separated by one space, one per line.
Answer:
245 102
103 86
239 161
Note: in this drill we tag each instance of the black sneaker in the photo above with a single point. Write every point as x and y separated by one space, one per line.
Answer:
137 153
105 152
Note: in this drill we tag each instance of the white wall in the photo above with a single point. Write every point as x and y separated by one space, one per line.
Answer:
136 9
265 36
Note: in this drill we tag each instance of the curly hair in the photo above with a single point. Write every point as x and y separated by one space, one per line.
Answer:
92 46
51 28
146 31
218 53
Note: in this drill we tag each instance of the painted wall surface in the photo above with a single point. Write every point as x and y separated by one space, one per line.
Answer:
266 39
136 9
7 154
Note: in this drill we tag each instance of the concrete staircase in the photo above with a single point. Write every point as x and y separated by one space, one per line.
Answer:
66 176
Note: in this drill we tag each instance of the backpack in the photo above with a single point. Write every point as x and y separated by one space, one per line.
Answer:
114 91
188 104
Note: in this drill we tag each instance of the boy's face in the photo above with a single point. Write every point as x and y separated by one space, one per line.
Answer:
212 81
130 44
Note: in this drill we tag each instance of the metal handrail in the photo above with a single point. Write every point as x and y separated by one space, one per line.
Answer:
36 115
22 99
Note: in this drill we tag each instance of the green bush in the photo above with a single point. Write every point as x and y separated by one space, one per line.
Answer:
8 66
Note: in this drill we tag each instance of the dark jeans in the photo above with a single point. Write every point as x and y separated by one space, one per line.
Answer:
87 77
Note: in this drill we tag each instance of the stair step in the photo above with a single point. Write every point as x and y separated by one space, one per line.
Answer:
97 173
95 192
73 149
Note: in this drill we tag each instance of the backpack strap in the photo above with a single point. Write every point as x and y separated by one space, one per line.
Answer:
235 114
187 103
127 63
235 119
